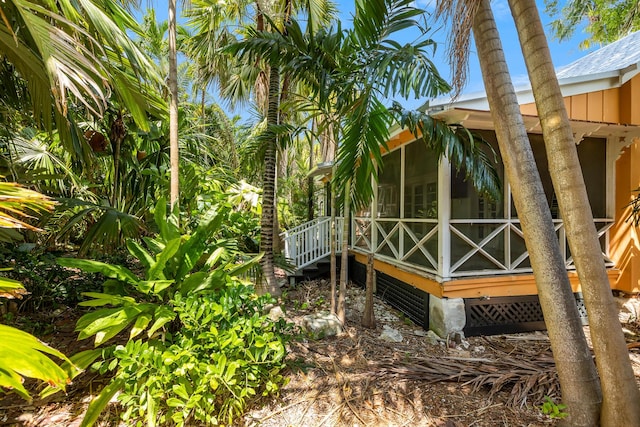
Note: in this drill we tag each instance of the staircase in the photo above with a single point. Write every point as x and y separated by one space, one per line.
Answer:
308 247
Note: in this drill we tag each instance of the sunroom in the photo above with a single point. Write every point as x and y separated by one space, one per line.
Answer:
431 231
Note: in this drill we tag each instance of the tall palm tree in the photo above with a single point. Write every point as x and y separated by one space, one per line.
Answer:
350 72
235 79
174 153
576 371
621 398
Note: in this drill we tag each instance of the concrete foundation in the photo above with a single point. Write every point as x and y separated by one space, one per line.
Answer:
446 315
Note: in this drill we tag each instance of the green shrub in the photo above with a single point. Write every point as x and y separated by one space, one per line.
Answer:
225 354
199 346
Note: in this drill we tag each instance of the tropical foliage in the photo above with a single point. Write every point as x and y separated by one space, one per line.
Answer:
606 21
21 354
191 322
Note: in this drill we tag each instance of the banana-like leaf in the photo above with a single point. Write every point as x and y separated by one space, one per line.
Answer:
191 251
10 288
162 316
98 404
156 270
106 323
23 355
112 271
101 299
78 363
140 253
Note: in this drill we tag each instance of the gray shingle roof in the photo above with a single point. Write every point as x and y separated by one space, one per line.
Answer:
615 56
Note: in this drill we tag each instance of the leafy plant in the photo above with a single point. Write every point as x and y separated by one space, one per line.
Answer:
208 348
172 263
225 354
22 354
553 410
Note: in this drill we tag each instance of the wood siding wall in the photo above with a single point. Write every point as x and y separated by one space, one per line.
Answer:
609 106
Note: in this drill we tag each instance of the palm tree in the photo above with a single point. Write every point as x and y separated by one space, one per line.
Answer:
621 398
235 79
173 109
576 371
74 51
350 72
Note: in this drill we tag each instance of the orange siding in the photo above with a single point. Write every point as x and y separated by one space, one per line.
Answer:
611 107
477 287
529 109
623 242
594 106
578 107
634 104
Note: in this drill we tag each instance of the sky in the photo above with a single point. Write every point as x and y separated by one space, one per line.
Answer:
562 53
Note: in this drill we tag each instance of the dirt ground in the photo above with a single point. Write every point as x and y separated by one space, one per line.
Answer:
358 378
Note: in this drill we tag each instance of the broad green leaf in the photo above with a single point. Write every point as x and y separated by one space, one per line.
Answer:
113 271
10 288
192 249
101 299
146 286
141 324
181 391
163 315
23 355
174 402
78 363
145 258
107 323
156 271
98 404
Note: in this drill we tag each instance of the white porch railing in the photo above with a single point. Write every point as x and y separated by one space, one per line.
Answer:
311 241
473 247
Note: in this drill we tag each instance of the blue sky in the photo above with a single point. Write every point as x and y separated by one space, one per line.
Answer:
562 53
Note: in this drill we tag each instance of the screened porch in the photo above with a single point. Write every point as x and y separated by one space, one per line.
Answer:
427 218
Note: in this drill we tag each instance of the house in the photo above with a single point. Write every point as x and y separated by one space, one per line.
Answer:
454 260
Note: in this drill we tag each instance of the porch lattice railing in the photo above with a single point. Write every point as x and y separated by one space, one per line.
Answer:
473 246
311 241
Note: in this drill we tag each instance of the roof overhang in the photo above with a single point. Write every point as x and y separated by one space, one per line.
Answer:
481 120
323 170
569 86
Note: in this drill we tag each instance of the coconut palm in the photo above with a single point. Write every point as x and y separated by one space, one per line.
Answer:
576 371
621 398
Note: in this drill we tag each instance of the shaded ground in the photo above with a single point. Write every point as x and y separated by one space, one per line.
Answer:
355 379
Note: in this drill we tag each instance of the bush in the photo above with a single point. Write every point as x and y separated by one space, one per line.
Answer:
225 354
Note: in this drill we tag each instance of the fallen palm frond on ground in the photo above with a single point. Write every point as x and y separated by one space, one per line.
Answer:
527 376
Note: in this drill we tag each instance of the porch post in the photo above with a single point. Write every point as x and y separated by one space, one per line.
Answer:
401 200
444 215
374 217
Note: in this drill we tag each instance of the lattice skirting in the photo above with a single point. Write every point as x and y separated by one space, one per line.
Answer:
411 301
490 316
484 316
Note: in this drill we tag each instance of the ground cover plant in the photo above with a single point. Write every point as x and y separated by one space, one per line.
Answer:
199 346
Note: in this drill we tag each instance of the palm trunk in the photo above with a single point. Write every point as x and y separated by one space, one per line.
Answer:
268 192
576 371
117 133
368 317
344 268
621 400
173 108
